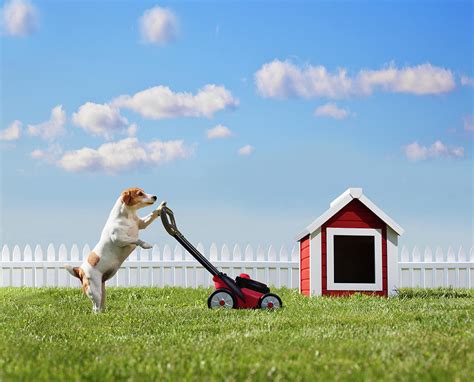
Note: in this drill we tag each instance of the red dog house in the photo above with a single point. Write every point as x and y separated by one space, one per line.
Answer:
352 247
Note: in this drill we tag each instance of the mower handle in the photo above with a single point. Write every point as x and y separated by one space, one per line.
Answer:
167 218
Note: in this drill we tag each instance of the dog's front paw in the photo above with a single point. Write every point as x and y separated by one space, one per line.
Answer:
144 245
159 208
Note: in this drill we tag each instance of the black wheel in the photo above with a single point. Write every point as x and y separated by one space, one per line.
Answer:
270 301
221 298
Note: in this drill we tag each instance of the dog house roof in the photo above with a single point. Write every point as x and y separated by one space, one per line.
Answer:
340 202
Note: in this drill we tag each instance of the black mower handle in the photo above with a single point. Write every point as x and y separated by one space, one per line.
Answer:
167 218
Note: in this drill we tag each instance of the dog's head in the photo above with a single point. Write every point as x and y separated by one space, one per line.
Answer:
137 198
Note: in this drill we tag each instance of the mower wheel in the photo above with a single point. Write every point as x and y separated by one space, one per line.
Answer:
221 298
270 301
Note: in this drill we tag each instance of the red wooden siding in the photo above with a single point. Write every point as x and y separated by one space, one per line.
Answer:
304 265
354 215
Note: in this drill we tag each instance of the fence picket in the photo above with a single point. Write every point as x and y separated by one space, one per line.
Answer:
51 271
404 255
260 273
178 272
132 268
5 253
213 253
248 253
155 269
429 276
63 276
40 272
5 272
85 252
166 270
285 278
428 256
28 271
451 257
16 272
237 253
284 253
462 274
75 253
74 261
225 257
27 253
200 273
439 256
450 273
271 269
417 274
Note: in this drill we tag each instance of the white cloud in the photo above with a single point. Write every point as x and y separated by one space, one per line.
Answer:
50 155
416 152
420 79
129 153
246 150
12 132
467 81
218 131
19 18
161 102
50 129
158 26
100 120
332 111
283 79
468 122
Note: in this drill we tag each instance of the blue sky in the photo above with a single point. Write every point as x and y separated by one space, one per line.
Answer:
323 95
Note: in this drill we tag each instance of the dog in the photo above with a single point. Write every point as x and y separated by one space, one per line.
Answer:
118 240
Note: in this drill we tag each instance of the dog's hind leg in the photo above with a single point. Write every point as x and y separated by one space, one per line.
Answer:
94 292
102 301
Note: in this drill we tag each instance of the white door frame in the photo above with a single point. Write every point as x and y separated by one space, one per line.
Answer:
377 234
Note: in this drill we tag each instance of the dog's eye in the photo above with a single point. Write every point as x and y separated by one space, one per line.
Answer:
140 193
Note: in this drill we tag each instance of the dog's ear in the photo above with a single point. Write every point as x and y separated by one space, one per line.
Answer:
127 197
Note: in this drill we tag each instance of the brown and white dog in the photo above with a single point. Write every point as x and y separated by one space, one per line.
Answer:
118 240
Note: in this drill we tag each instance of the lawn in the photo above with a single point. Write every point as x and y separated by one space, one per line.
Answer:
170 335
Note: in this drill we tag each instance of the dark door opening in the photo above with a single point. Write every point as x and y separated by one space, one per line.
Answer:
354 259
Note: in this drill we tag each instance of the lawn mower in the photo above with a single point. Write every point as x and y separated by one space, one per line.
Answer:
241 293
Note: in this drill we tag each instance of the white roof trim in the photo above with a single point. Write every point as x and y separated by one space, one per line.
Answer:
339 203
355 193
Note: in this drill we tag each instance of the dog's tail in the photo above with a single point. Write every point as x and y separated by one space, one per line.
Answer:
75 271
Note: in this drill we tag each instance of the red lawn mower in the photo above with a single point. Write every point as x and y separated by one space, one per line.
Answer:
241 293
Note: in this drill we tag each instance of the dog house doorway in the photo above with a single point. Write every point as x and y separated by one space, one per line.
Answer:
354 259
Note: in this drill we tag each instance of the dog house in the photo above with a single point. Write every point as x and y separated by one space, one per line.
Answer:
352 247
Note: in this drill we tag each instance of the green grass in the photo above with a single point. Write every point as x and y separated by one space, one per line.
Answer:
170 335
435 292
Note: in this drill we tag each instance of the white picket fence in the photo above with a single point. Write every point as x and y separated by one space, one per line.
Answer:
155 267
431 269
175 267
